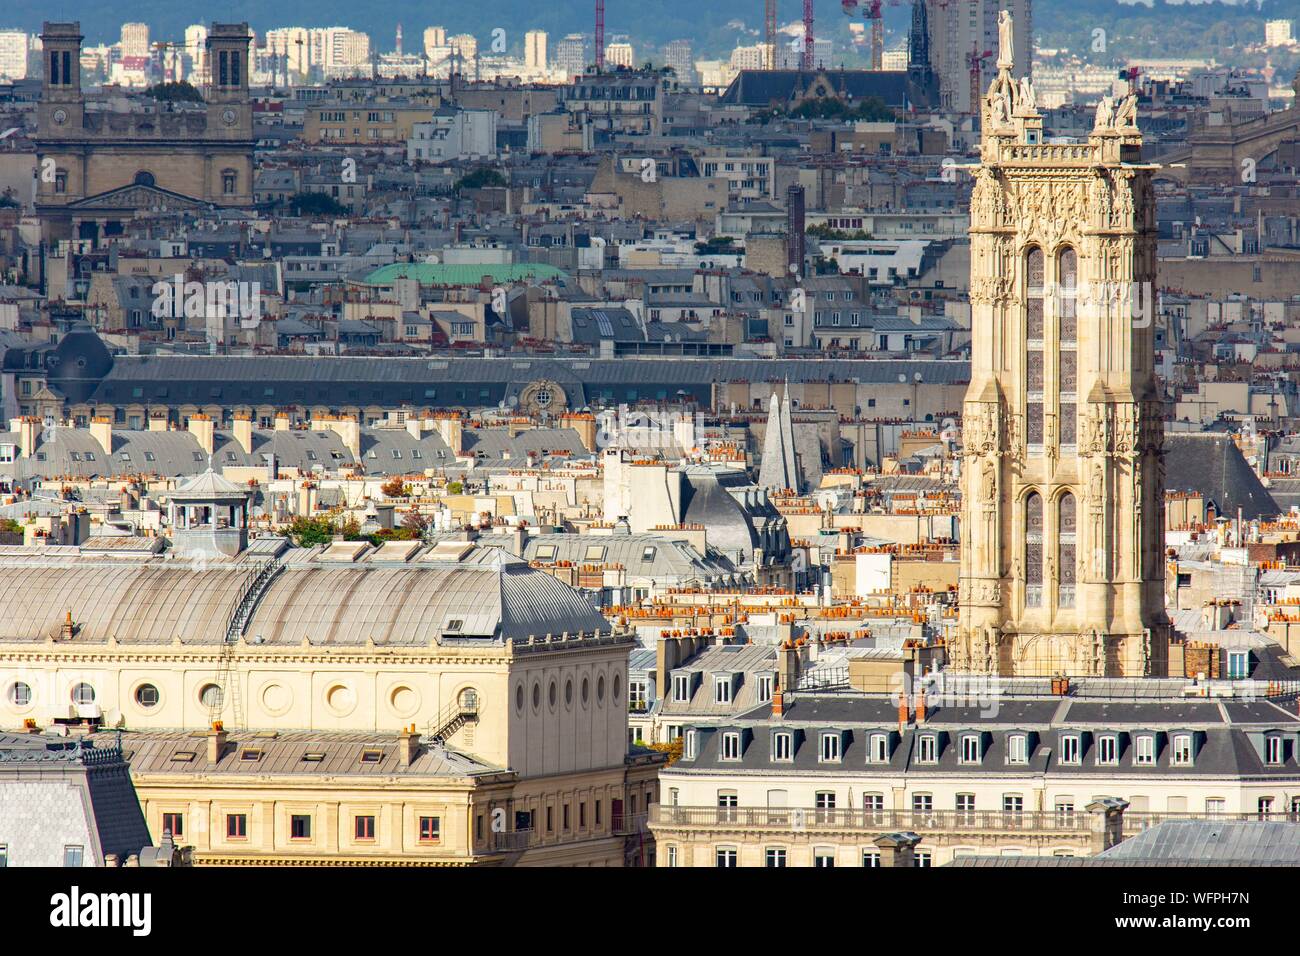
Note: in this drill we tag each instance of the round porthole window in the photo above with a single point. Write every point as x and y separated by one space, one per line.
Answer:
83 694
341 699
211 696
147 696
20 694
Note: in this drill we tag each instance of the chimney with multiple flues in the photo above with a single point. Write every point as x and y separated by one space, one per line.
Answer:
408 746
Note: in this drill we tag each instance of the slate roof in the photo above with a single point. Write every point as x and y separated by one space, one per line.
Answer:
1219 747
96 769
763 88
1213 465
336 381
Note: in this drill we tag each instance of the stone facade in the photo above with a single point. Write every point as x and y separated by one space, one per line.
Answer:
1062 476
96 167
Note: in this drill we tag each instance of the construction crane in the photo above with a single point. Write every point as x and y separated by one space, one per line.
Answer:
871 10
807 34
769 22
600 35
877 35
975 61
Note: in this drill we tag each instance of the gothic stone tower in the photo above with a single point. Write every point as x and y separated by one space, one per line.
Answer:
1062 478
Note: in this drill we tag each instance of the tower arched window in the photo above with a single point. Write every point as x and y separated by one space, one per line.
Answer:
1034 550
1068 356
1034 294
1065 551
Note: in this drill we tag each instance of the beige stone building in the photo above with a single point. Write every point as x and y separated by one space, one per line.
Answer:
1062 487
434 681
97 167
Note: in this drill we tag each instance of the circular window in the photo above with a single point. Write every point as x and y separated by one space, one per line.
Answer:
469 700
618 687
537 695
83 694
340 699
568 692
586 690
600 689
210 695
403 700
20 694
276 698
147 696
542 397
552 695
519 698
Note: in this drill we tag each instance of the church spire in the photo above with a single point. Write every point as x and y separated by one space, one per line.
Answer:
918 39
779 468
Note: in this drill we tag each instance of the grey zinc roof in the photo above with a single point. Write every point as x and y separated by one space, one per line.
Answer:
670 559
157 600
283 754
1213 843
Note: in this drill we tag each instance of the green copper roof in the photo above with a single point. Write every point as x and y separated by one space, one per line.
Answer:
429 273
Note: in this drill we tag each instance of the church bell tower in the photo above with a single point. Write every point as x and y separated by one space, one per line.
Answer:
1062 564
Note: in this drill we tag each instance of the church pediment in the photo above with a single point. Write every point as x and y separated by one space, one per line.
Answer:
137 196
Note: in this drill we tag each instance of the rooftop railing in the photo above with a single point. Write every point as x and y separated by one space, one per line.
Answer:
1075 821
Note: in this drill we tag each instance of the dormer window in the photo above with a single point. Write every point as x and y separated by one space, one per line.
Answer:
928 749
722 690
692 744
970 749
878 751
830 751
1017 749
681 687
1144 754
1070 749
1273 750
1108 750
783 746
765 684
731 746
1180 754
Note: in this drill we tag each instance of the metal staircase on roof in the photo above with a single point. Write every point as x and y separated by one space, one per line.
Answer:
255 585
453 717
